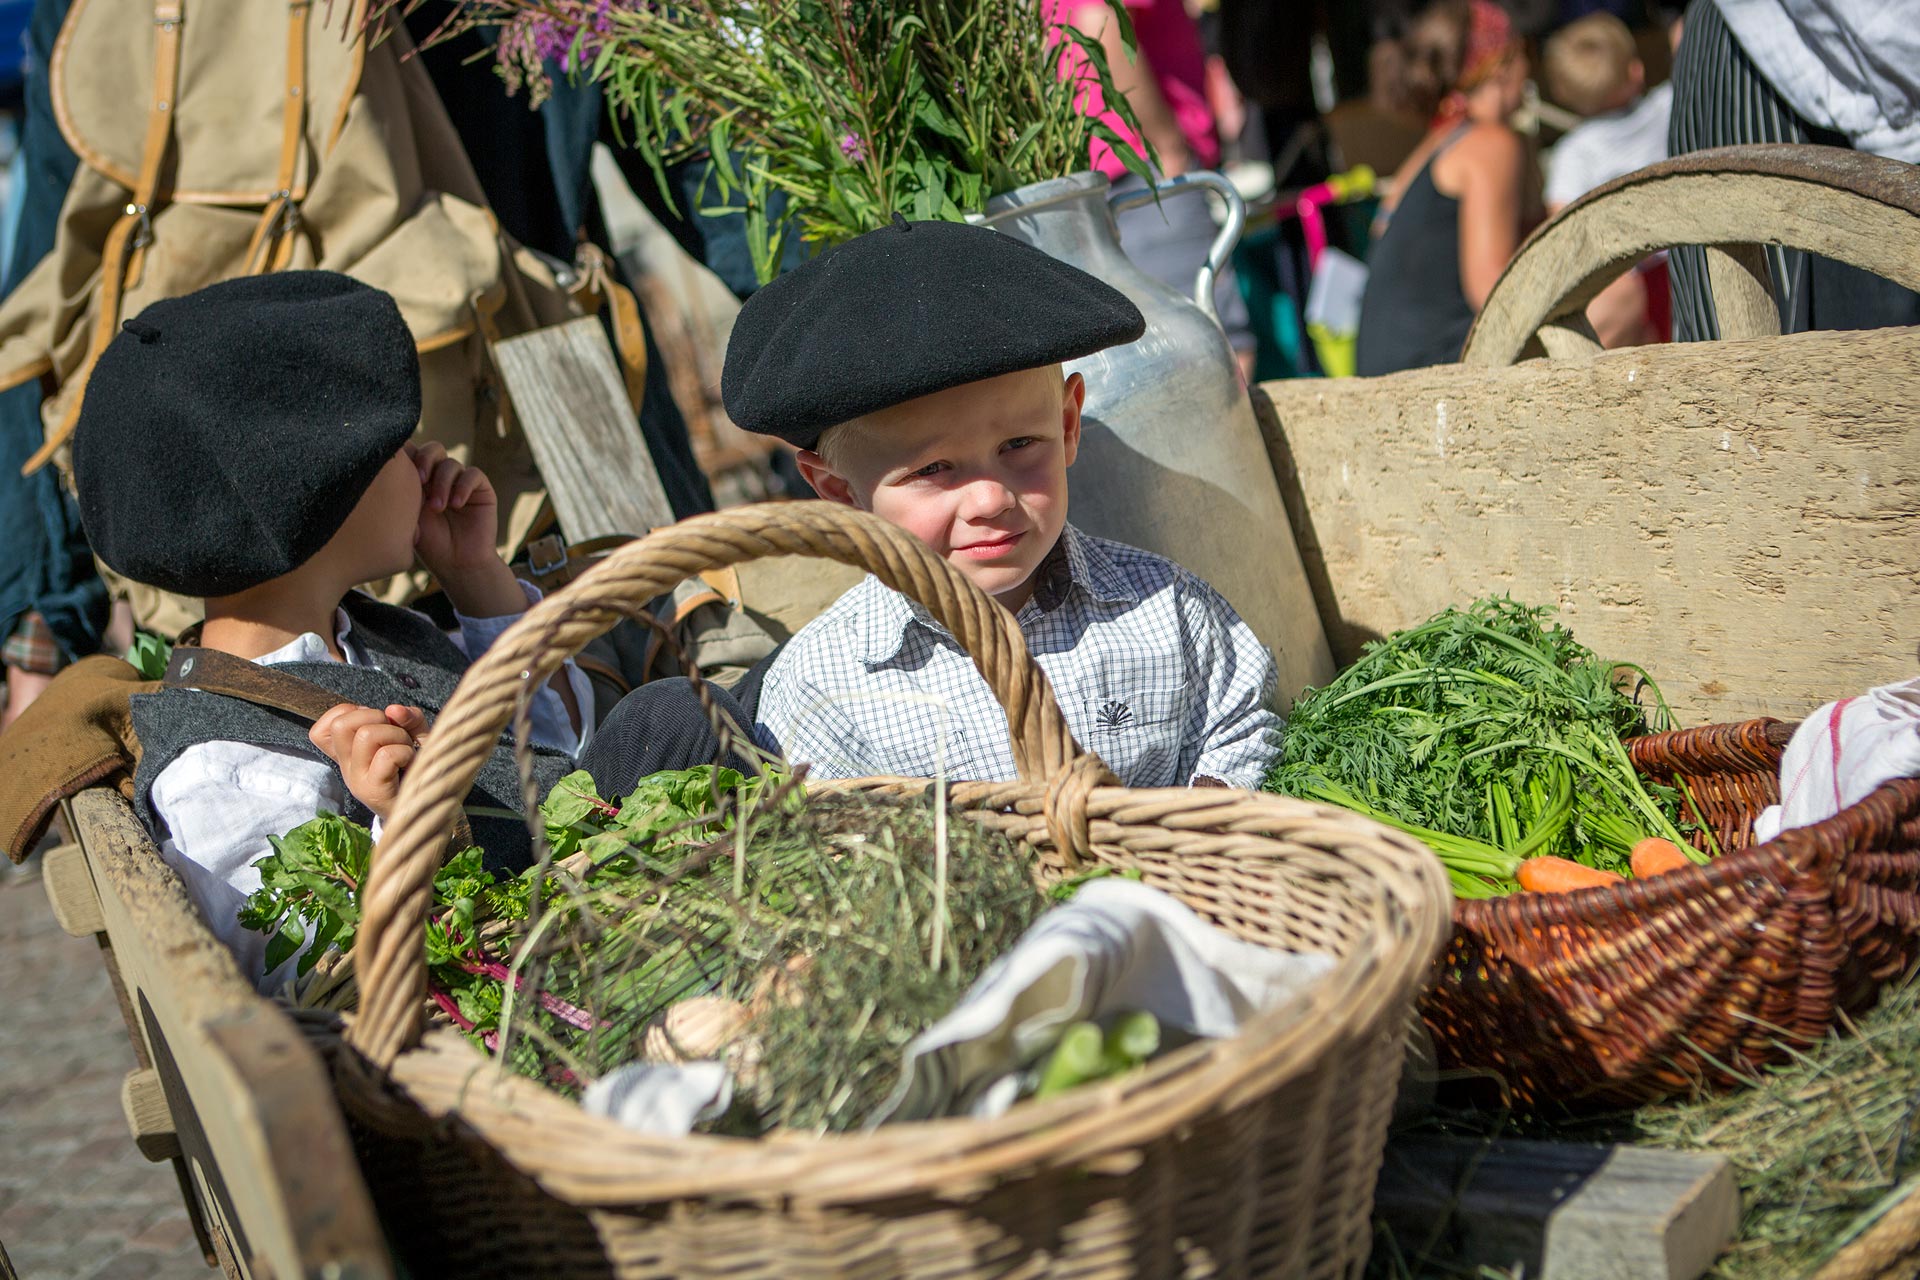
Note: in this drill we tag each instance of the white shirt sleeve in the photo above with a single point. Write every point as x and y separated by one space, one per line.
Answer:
220 802
551 726
1241 734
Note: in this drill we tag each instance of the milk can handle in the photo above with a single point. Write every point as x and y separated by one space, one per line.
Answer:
1222 248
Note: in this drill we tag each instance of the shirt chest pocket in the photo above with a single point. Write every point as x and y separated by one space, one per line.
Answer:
1138 733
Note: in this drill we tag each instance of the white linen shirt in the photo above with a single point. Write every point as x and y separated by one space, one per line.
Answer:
221 801
1153 669
1852 66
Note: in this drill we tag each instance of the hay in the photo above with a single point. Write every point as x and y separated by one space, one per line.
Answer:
1819 1146
805 945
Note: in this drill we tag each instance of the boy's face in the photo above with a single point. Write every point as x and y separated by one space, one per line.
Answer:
377 539
977 472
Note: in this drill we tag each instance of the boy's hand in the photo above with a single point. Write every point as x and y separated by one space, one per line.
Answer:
373 749
459 519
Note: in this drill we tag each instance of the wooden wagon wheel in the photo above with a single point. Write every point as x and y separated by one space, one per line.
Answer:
1856 208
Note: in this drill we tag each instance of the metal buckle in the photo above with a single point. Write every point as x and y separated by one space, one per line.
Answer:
538 549
144 235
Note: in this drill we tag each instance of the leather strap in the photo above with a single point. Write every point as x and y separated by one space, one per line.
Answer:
215 671
272 245
124 253
599 284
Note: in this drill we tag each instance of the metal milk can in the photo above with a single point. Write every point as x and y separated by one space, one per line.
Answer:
1171 458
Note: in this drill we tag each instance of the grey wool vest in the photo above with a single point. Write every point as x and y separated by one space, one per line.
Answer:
416 665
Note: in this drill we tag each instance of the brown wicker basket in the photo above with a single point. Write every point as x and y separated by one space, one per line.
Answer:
1250 1156
1636 992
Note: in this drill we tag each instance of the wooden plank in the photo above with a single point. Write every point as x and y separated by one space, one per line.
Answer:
568 395
1742 289
252 1106
69 885
1557 1211
1735 517
144 1100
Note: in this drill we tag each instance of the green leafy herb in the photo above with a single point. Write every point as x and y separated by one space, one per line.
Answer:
149 654
1492 735
824 118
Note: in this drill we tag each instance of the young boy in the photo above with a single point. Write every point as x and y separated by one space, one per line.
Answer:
1593 67
248 443
917 368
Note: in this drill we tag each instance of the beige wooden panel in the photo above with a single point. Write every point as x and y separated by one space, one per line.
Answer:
250 1103
567 392
1743 518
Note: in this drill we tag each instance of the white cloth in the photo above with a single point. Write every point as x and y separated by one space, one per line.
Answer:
1841 753
1153 670
1848 65
1603 148
1117 947
221 801
669 1101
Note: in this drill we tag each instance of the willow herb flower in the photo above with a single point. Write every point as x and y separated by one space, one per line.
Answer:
935 105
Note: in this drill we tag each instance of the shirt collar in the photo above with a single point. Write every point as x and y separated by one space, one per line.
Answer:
309 647
1077 565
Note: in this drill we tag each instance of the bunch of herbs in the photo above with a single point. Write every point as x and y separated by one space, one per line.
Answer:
1493 735
852 110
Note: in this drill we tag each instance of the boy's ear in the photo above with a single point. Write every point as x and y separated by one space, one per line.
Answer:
826 482
1073 399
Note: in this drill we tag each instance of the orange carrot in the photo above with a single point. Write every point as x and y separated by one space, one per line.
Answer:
1560 875
1655 857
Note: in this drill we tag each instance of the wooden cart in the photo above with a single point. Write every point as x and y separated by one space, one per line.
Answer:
1742 516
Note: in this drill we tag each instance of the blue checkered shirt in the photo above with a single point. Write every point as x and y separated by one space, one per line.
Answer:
1153 669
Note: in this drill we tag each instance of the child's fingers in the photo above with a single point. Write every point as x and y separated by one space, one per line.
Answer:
426 456
367 742
470 481
321 734
440 483
384 767
412 719
333 733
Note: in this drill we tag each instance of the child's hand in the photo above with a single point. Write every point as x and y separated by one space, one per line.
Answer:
373 749
459 519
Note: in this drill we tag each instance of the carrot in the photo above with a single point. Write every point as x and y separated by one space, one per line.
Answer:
1560 875
1655 857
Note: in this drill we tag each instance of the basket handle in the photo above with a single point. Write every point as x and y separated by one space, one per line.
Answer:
389 953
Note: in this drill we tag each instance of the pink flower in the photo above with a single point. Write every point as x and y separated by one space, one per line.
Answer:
853 147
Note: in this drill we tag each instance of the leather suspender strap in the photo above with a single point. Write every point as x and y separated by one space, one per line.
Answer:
215 671
124 252
272 245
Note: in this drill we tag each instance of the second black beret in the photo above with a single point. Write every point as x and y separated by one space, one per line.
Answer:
903 312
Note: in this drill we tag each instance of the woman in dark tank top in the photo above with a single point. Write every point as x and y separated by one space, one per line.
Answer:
1459 200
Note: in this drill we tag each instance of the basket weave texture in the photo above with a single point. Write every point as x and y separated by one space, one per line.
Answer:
1250 1156
1636 992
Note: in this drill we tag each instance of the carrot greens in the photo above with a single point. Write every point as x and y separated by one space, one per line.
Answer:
1491 734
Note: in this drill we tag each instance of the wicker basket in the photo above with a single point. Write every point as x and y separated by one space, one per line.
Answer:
1250 1156
1636 992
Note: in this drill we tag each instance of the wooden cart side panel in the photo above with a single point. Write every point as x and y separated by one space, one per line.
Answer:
1741 518
251 1102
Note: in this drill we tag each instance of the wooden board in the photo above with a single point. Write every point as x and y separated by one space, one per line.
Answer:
570 400
1740 518
249 1101
1557 1211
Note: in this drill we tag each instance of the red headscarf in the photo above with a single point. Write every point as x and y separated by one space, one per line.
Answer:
1490 41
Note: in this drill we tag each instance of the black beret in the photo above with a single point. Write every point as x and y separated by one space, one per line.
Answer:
906 311
226 435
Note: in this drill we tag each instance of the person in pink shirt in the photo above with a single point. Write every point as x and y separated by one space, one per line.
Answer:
1164 81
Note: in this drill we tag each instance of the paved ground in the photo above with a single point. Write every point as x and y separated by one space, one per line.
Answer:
77 1202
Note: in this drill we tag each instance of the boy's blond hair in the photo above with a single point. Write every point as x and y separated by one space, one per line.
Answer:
1589 62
